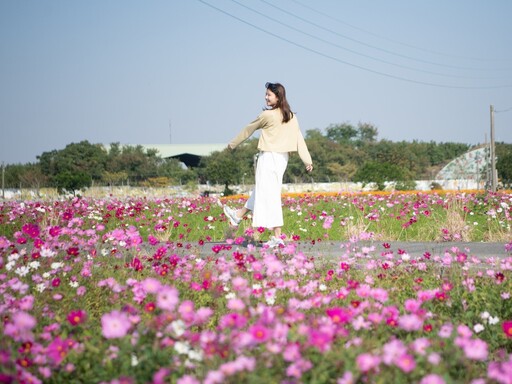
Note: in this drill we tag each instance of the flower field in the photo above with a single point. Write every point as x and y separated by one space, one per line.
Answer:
138 290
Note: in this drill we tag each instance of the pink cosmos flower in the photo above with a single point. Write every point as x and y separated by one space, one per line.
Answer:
475 349
410 322
292 352
445 331
406 363
188 379
379 294
259 333
202 315
58 349
420 345
167 298
347 378
236 305
186 309
115 324
214 377
432 378
412 305
232 320
320 339
392 350
338 315
80 291
151 285
328 222
20 329
160 376
366 362
501 371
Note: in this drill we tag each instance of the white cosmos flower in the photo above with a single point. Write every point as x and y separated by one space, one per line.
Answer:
195 355
181 347
56 265
493 320
45 252
178 327
34 264
22 271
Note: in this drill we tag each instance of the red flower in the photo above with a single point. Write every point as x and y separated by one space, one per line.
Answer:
441 296
72 251
55 282
507 328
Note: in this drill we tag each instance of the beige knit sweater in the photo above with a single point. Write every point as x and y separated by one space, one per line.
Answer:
275 136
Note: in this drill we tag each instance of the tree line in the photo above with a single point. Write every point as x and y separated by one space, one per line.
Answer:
341 152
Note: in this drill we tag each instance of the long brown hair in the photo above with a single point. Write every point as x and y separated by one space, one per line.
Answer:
280 92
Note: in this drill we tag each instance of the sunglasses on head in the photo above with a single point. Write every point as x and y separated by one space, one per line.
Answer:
271 86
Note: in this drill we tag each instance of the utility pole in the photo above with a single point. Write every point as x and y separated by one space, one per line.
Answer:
493 174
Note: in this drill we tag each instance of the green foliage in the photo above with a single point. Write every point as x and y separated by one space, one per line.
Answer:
68 182
504 163
379 173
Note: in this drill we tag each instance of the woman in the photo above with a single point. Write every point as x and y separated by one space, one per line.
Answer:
280 134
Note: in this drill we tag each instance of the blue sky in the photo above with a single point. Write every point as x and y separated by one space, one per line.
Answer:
193 71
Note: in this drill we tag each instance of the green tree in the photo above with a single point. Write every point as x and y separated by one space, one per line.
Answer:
367 133
504 163
229 167
77 159
379 173
341 133
71 182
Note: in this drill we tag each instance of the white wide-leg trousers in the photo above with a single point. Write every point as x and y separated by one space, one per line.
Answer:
265 199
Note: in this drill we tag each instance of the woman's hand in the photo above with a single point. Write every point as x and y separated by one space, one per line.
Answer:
309 167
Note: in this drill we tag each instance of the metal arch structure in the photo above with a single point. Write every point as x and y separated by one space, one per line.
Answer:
473 165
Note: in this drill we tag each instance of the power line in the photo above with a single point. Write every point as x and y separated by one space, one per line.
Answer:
344 48
504 110
388 39
366 44
346 62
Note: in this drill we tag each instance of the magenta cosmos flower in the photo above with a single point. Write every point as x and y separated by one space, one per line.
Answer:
76 317
507 328
115 324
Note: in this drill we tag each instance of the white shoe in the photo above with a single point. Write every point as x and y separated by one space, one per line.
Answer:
231 215
274 242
